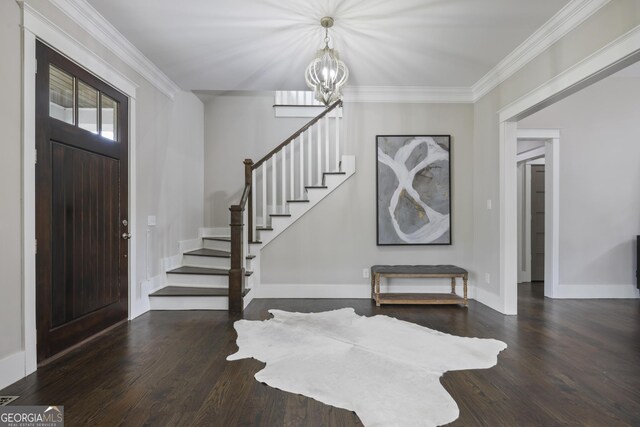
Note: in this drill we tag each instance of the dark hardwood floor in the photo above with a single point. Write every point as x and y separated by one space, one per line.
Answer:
569 362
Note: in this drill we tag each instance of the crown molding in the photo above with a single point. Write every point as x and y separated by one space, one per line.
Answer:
89 19
568 18
408 94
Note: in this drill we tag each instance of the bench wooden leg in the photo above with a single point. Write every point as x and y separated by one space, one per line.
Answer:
377 286
373 288
453 285
464 285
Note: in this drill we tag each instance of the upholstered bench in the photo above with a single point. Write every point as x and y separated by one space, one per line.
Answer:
418 271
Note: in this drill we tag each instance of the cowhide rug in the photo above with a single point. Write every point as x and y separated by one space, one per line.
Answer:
386 370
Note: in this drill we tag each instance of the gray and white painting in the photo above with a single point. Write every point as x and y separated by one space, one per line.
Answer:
414 199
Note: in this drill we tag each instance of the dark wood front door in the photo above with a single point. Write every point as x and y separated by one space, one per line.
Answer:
81 204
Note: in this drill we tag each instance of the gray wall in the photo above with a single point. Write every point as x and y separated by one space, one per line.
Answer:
333 242
10 181
337 239
237 128
599 176
169 152
610 22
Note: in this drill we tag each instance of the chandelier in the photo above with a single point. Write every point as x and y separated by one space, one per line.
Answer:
326 74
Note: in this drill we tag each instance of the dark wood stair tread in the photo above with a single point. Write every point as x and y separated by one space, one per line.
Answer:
315 187
264 228
297 201
190 291
280 214
218 238
334 173
210 253
215 253
187 269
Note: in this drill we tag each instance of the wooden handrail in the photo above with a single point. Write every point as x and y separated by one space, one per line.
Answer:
336 104
245 197
237 273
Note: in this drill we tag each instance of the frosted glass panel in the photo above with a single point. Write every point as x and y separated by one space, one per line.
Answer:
87 107
109 128
61 96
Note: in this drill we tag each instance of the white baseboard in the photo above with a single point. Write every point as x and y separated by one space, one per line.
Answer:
597 292
249 297
147 287
12 368
357 291
490 299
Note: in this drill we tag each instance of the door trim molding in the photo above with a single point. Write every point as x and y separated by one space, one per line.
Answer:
35 26
621 52
551 155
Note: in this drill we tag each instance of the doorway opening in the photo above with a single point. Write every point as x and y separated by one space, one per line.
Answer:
582 77
535 192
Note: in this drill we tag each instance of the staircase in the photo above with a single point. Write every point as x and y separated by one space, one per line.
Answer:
279 189
202 282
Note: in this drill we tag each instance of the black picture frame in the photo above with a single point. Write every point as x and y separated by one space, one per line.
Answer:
409 224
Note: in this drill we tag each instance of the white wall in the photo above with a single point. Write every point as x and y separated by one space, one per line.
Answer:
599 176
611 21
169 176
237 128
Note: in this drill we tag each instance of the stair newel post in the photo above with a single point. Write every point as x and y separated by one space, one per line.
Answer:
248 180
236 273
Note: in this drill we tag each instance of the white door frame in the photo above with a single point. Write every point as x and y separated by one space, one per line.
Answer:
37 27
613 57
551 138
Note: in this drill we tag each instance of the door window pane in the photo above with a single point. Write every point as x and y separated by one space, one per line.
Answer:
87 107
109 128
61 96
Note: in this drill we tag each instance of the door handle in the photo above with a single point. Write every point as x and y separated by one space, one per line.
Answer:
126 236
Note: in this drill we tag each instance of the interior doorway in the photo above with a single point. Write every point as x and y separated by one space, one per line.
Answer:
536 203
81 204
537 206
617 56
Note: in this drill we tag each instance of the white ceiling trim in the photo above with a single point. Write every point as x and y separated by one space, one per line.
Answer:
408 94
89 19
568 18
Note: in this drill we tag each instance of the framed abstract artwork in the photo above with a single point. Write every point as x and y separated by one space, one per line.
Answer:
413 182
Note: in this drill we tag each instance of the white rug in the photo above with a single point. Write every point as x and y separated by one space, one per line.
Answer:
386 370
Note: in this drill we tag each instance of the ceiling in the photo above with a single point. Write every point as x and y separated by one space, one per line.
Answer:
266 44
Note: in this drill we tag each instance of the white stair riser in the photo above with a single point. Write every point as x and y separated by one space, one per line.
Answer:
206 261
297 209
197 280
332 181
217 244
211 262
314 195
189 303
